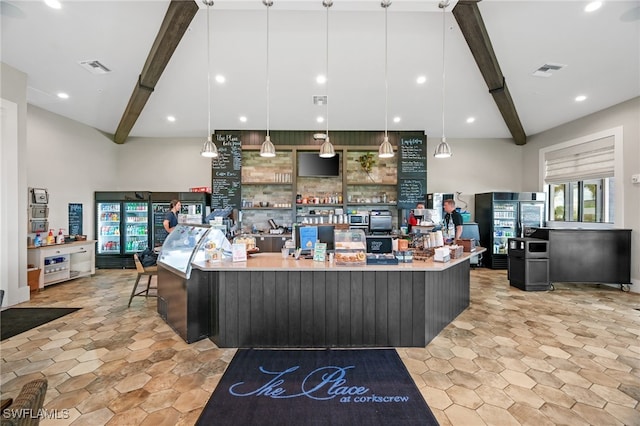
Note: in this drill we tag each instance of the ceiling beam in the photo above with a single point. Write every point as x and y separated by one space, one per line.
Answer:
472 26
176 22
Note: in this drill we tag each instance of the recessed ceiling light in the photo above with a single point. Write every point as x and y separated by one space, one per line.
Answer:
320 119
243 118
171 118
220 78
321 79
63 95
580 98
421 79
53 4
593 6
396 119
471 119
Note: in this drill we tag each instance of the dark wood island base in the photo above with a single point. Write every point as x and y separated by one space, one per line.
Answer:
273 302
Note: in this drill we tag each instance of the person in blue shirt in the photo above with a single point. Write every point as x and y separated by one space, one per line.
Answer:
171 218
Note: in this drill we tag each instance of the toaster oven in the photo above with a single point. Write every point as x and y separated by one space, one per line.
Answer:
358 219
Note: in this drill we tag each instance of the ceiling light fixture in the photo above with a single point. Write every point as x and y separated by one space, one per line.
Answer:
386 149
581 98
421 80
267 149
171 119
63 95
326 149
220 78
243 119
53 4
443 150
209 148
471 120
593 6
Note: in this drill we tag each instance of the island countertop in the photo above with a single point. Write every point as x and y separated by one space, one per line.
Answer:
275 262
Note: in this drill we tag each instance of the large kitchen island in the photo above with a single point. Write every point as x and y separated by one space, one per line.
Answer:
270 301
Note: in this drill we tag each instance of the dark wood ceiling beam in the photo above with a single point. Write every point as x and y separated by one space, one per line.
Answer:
176 22
475 33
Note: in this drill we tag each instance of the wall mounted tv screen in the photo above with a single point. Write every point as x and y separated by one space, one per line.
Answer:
311 164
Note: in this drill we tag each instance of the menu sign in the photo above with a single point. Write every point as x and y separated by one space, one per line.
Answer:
75 219
412 171
226 172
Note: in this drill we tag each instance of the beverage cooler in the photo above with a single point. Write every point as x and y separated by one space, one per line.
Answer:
504 215
195 207
122 227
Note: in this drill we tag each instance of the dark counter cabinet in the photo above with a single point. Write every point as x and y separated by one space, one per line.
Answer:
588 255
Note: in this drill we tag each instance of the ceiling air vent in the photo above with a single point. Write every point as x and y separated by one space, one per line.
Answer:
94 67
547 70
320 100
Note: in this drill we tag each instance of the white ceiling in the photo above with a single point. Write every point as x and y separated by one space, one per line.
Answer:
601 51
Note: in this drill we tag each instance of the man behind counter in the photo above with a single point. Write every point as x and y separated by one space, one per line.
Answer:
452 222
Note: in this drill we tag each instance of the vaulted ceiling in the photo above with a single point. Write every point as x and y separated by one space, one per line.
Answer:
492 51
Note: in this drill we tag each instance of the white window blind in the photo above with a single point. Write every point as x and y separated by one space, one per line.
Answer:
589 160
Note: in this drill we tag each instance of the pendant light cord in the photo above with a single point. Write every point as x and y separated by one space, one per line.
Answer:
209 137
268 5
327 5
444 6
386 80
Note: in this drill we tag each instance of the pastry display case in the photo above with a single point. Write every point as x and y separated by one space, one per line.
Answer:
188 243
350 247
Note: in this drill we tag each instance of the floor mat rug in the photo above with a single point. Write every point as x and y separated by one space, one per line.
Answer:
14 321
316 387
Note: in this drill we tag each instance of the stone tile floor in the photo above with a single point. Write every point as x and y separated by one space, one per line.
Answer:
569 356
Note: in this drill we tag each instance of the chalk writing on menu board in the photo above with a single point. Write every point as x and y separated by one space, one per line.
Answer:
226 172
412 172
75 219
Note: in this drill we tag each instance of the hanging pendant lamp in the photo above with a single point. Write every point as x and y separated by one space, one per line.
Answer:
267 149
386 149
326 149
443 150
209 148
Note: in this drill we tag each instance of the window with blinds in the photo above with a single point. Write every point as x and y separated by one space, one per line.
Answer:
589 160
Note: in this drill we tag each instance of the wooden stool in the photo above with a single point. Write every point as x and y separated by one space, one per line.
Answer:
149 271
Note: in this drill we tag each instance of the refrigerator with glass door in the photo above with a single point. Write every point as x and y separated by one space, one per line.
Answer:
504 215
122 227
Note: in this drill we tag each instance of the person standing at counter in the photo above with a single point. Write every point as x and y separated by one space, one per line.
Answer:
452 222
171 218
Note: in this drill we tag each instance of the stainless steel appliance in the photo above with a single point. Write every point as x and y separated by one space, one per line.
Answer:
380 222
359 219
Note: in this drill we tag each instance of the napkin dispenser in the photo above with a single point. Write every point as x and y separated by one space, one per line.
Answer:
441 254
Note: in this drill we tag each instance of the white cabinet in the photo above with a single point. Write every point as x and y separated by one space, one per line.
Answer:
63 262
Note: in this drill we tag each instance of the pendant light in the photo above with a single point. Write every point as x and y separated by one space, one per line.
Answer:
443 150
385 150
326 149
267 149
209 149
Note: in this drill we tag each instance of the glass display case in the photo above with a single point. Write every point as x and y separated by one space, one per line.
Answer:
350 247
187 244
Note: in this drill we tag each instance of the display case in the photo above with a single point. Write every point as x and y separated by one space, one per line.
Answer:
187 244
350 247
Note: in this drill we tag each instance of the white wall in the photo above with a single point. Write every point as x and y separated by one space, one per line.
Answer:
162 164
625 115
476 166
72 161
13 199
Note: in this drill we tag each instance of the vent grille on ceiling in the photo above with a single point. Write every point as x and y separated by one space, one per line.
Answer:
320 100
547 70
94 67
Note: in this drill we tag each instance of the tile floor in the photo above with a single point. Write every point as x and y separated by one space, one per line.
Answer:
571 356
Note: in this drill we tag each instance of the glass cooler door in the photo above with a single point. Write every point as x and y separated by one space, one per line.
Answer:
136 227
108 228
504 225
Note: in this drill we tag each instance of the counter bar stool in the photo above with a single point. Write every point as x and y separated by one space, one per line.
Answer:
149 271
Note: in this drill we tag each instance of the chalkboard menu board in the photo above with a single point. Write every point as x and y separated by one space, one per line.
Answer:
412 171
226 172
160 210
75 219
